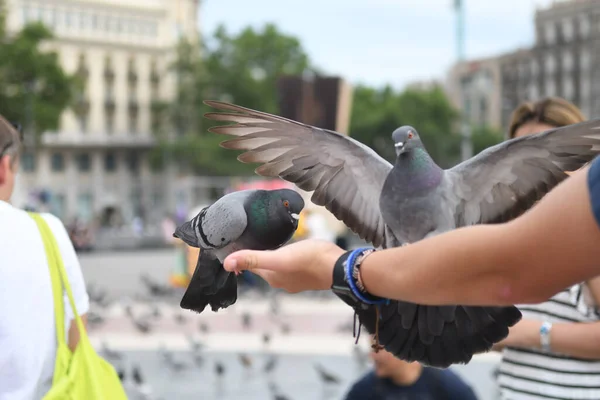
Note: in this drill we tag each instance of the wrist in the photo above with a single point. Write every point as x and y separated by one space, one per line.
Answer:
329 260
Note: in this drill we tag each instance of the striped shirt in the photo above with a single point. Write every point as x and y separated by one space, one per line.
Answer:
532 374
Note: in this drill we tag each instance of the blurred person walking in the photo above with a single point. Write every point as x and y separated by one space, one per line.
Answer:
28 338
554 351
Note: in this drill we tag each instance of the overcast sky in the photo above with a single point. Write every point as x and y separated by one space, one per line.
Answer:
383 41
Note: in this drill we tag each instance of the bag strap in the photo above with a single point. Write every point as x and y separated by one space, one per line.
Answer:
58 275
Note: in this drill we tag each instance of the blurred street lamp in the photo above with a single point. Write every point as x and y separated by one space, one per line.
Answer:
466 145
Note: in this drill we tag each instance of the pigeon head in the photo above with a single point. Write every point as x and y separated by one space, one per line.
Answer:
405 138
289 202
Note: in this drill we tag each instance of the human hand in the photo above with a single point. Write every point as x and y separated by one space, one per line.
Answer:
304 265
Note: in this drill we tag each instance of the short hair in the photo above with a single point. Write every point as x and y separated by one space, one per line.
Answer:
10 138
553 111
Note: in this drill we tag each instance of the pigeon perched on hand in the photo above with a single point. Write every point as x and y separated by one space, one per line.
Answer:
248 219
394 205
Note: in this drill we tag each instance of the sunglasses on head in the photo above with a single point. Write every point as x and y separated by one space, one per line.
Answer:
17 126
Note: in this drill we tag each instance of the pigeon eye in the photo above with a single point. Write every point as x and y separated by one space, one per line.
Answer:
410 135
286 203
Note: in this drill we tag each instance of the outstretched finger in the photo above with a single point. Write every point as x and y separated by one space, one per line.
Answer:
249 260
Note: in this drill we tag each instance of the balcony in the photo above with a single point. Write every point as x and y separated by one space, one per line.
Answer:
154 77
82 72
109 103
109 74
81 104
133 105
132 76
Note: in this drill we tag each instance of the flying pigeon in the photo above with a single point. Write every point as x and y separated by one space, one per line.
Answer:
247 219
394 205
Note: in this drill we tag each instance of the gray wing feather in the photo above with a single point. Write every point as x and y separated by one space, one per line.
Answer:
505 180
226 220
346 176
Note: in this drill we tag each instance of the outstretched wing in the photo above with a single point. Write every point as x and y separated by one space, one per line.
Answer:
346 176
505 180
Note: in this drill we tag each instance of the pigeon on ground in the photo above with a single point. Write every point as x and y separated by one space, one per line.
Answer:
156 288
394 205
247 219
326 376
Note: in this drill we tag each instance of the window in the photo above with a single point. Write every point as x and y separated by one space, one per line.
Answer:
110 122
584 26
567 60
567 29
28 161
83 162
57 162
110 162
550 87
533 91
550 33
133 162
94 22
534 67
585 59
83 20
26 14
483 110
133 122
550 64
57 205
82 119
84 206
68 18
568 88
54 17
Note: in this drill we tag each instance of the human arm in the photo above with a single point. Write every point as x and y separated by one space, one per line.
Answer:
478 265
581 339
497 264
75 277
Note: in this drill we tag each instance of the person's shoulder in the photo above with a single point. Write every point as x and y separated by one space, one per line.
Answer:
452 383
56 226
363 388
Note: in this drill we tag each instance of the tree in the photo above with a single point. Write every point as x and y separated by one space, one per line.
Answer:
33 86
483 137
376 113
241 69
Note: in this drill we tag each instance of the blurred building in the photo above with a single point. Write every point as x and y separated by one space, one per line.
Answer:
475 88
96 163
563 61
324 102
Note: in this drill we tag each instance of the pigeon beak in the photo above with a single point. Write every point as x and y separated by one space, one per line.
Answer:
399 145
295 216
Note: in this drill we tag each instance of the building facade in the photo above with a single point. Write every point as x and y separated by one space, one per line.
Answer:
563 61
96 164
474 87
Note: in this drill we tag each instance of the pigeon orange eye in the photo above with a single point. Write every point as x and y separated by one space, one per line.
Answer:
286 203
410 135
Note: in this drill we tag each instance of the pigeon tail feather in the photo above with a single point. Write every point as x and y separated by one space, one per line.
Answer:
210 285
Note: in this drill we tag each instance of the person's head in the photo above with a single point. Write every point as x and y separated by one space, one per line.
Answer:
388 366
549 113
10 146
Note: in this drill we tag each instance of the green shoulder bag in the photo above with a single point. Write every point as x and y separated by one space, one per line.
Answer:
82 374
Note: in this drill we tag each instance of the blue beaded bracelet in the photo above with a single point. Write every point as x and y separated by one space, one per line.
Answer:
349 267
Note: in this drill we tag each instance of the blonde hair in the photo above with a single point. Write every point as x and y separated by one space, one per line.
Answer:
553 111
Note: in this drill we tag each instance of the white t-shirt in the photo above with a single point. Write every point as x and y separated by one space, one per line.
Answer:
27 327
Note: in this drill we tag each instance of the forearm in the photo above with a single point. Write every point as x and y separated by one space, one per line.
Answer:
554 245
457 267
581 340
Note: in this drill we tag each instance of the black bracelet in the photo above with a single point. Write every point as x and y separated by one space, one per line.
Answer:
343 273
